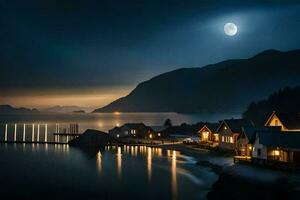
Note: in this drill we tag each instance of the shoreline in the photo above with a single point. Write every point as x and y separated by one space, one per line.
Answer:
241 181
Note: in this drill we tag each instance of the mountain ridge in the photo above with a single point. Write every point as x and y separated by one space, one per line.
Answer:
178 90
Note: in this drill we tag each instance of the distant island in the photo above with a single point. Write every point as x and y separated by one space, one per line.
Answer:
78 111
63 109
228 86
7 109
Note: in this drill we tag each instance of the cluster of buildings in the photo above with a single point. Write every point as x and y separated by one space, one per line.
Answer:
136 130
277 141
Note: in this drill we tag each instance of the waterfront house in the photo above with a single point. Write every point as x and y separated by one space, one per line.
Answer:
229 130
287 121
275 146
208 134
138 130
245 141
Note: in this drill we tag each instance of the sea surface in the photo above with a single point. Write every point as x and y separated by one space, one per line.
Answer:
45 171
106 121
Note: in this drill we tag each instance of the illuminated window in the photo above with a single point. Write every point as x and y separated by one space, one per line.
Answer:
231 139
276 153
225 127
223 140
205 135
276 122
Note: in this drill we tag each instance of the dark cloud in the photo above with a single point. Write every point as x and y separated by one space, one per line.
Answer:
104 43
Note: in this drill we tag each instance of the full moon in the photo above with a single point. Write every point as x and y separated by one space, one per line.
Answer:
230 29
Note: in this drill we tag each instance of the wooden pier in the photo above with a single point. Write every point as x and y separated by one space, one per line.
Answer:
38 134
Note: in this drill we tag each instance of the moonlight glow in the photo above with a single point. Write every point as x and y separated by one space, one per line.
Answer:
230 29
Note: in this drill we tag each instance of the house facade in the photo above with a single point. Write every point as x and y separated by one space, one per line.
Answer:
287 121
245 141
276 146
208 133
138 130
229 130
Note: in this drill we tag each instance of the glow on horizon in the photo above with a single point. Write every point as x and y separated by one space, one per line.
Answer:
87 98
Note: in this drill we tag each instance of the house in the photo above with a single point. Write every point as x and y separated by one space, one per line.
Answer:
208 133
138 130
245 141
287 121
229 130
276 146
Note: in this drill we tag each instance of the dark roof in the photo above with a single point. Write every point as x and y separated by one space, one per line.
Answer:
283 139
212 126
289 120
249 132
236 125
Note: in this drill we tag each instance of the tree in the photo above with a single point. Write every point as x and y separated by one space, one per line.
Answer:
168 123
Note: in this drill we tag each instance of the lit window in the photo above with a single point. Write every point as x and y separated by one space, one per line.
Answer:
231 139
223 139
205 135
158 134
276 153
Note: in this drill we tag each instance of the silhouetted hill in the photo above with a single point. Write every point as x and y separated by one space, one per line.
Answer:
7 109
228 86
286 100
63 109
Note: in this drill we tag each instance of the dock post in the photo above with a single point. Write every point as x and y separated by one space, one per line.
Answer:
46 132
24 129
15 133
32 134
38 133
5 134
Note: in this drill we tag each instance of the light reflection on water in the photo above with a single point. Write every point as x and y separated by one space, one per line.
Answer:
119 171
150 153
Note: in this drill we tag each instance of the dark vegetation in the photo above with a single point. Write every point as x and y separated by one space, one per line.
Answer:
285 100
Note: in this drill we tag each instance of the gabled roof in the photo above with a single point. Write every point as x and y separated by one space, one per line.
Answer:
283 139
235 125
289 120
137 126
211 126
249 132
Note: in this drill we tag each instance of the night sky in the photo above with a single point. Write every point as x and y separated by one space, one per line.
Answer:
89 52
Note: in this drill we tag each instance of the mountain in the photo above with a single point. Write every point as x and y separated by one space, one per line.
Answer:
227 86
7 109
283 101
62 109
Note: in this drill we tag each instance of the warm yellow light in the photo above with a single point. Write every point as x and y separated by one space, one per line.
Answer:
205 135
276 153
250 147
117 113
150 136
158 134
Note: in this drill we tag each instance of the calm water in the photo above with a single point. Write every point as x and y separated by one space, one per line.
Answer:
106 121
61 172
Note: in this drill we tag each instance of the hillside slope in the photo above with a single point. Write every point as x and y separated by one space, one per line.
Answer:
228 86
